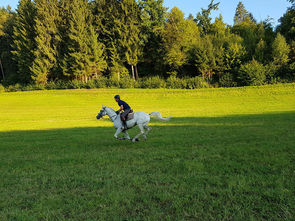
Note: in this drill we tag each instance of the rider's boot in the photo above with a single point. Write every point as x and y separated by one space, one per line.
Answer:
125 125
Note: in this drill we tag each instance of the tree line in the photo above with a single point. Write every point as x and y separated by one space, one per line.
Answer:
44 41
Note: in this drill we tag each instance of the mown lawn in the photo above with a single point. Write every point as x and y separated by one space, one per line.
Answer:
228 154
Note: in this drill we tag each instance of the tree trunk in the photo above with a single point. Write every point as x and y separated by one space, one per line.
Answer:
136 72
2 71
132 68
118 76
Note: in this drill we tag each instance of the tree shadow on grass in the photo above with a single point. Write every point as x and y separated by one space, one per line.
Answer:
181 129
229 167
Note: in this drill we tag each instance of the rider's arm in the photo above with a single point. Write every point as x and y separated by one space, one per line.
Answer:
121 108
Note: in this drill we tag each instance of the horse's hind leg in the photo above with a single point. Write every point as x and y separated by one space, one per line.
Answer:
126 135
147 128
142 132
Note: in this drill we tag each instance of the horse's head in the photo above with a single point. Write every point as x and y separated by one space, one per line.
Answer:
101 113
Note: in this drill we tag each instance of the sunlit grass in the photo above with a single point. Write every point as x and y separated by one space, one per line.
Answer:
228 154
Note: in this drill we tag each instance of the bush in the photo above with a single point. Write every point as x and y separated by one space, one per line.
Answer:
152 82
14 88
126 82
176 83
90 84
39 87
2 89
101 82
271 72
227 80
63 85
197 82
292 71
252 74
74 84
28 87
113 82
50 85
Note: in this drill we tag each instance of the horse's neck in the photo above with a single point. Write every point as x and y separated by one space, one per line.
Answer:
111 113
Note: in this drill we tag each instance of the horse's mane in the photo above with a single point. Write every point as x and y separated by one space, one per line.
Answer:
111 108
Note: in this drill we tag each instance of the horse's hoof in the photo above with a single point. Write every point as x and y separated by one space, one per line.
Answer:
135 140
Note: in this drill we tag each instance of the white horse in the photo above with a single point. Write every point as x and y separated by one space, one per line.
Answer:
140 118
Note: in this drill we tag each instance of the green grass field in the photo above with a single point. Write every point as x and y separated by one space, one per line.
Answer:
228 154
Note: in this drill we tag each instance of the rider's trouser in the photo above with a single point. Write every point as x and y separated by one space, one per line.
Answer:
125 113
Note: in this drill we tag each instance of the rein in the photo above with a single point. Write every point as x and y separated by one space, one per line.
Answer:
114 116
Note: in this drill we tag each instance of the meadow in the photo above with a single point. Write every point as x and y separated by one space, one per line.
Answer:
227 154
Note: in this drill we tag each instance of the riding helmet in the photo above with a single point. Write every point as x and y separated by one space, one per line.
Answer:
117 97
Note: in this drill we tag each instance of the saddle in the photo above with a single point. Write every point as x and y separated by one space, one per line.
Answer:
130 116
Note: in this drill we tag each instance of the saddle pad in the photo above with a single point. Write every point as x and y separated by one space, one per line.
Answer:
130 116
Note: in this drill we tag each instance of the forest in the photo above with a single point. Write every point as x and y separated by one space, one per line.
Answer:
130 43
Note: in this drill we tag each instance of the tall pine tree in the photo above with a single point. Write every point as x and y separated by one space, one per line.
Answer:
7 64
84 54
130 34
108 23
153 15
24 36
47 39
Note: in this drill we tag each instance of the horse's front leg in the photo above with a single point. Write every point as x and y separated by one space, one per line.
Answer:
126 135
119 130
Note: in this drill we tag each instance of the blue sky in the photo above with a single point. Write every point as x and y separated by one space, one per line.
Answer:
261 9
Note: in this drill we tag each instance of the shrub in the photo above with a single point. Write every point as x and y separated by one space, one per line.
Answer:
113 82
90 84
197 82
176 83
50 85
63 85
2 89
39 87
227 80
101 82
28 87
75 84
292 70
14 88
252 73
152 82
126 82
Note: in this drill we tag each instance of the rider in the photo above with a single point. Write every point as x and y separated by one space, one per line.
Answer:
125 107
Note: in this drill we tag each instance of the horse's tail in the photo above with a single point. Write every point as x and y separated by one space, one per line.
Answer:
159 116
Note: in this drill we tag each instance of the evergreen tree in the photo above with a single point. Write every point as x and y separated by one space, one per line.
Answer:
84 54
130 34
287 25
24 36
281 50
251 33
203 18
97 63
228 48
7 64
179 35
47 39
153 15
108 23
241 14
219 52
